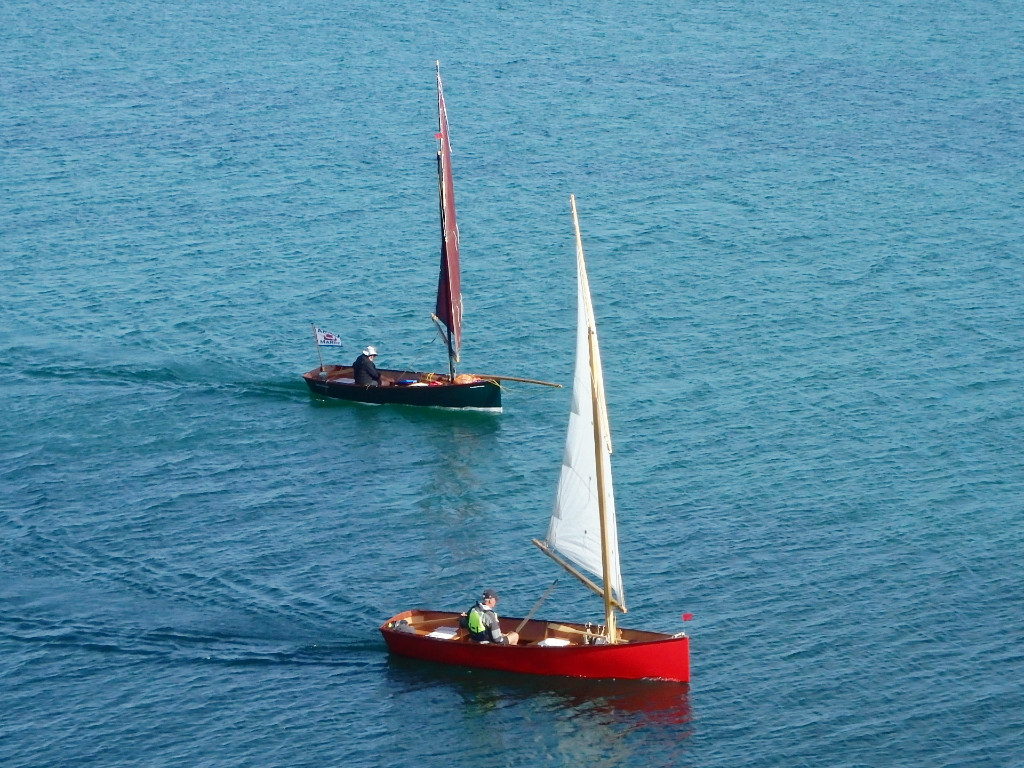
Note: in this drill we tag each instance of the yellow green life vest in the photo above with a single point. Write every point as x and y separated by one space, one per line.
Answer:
476 621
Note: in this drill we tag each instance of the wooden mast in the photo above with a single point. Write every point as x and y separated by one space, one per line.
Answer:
596 390
449 286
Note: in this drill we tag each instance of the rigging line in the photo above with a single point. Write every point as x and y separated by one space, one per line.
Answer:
536 605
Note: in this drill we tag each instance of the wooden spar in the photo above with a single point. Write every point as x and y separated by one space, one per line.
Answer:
587 581
596 387
536 605
609 603
517 378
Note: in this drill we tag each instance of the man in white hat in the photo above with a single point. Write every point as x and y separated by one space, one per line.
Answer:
364 371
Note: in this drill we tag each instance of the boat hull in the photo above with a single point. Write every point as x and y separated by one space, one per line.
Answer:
406 388
644 655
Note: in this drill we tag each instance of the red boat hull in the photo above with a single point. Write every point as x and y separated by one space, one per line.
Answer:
643 655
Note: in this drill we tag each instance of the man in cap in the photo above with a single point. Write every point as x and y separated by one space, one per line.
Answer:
483 624
364 371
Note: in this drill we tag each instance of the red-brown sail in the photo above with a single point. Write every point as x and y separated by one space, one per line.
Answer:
422 388
449 289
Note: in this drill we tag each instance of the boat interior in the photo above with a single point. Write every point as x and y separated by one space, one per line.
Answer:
342 374
446 626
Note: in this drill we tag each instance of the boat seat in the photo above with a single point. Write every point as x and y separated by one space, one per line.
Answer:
445 633
555 642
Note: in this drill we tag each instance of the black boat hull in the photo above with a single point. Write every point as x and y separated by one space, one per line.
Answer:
406 388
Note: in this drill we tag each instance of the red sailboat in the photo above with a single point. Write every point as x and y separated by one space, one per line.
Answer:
582 537
451 390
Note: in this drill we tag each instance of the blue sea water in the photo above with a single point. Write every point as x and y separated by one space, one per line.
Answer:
803 223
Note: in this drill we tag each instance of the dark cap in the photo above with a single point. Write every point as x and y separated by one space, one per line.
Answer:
489 593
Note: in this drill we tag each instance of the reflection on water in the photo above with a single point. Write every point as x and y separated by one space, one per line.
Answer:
629 703
533 721
478 422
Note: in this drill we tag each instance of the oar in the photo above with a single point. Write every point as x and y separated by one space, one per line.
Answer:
517 378
536 605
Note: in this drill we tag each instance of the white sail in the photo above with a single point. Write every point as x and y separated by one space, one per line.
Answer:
575 528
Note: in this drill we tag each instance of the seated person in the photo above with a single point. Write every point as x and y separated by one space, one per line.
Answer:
482 622
364 371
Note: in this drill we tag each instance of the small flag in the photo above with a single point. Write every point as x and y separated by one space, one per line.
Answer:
687 617
326 338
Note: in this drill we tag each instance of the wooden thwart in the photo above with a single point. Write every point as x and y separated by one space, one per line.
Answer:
454 619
